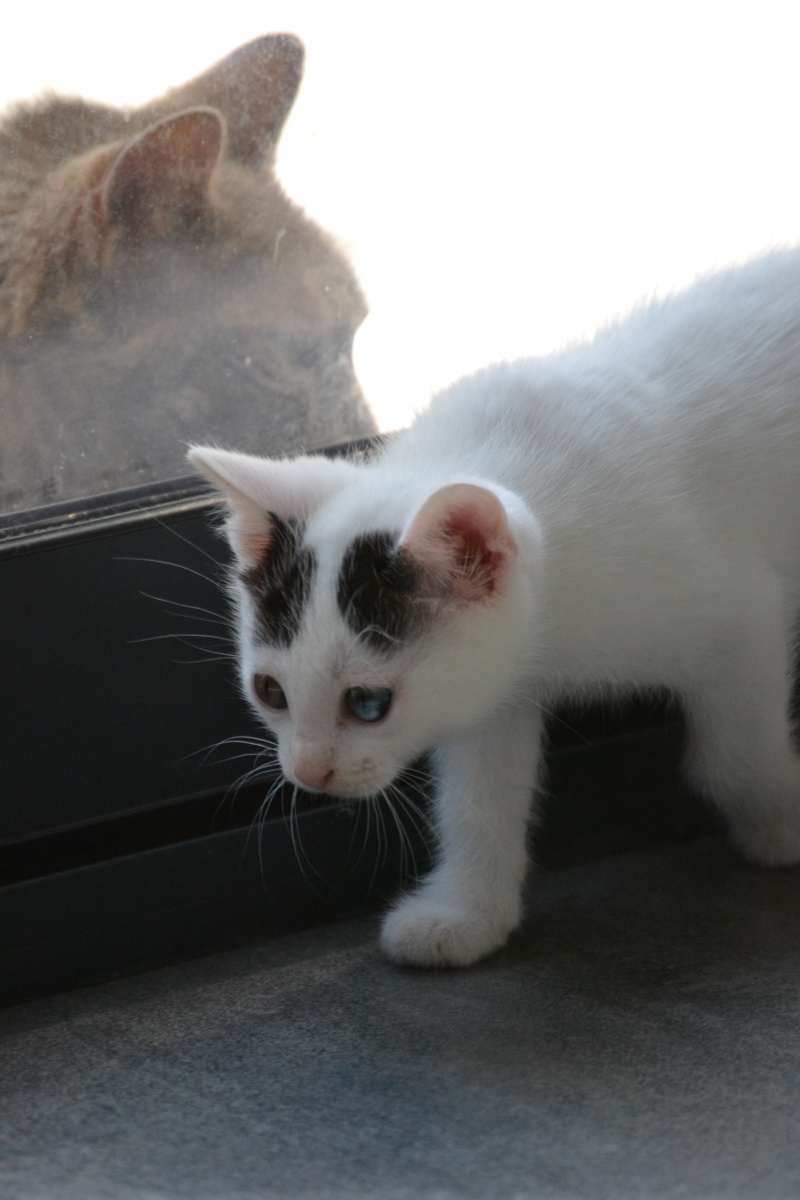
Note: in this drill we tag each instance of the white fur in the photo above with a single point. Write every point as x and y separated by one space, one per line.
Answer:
651 483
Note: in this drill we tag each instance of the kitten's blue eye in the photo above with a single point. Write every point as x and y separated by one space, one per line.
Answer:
269 692
368 704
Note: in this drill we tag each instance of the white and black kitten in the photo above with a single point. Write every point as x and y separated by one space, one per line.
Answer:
622 515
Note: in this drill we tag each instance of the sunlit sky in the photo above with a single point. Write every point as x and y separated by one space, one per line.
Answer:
505 176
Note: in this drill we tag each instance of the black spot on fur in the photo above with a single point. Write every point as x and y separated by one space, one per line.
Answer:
376 591
281 582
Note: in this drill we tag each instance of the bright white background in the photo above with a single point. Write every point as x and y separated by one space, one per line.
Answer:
505 175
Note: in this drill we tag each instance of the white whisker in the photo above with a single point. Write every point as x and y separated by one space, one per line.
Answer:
165 562
209 614
406 846
297 844
180 637
188 542
263 745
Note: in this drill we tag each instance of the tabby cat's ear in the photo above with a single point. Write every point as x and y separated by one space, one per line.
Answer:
162 177
254 89
256 489
461 536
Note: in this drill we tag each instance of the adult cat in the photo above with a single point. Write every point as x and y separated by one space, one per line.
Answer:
622 515
157 285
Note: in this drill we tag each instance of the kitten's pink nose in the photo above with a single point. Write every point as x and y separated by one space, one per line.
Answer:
313 775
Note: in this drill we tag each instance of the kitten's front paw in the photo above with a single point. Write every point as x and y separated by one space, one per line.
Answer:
423 933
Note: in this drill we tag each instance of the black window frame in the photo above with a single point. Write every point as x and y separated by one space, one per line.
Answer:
123 844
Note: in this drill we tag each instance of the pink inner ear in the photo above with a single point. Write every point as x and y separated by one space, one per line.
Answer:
461 536
479 566
249 531
252 546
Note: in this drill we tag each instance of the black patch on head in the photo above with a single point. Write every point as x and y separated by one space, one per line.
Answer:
281 582
376 591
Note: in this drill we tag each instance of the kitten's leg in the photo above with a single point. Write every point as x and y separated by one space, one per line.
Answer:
472 900
741 752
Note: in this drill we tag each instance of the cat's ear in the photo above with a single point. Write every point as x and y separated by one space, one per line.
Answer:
254 89
462 538
163 175
258 489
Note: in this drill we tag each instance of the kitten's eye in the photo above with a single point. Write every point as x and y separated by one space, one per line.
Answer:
368 704
269 692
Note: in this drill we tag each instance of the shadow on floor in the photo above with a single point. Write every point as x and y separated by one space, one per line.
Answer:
640 1037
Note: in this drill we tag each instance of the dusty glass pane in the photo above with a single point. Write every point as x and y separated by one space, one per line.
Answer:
157 285
444 186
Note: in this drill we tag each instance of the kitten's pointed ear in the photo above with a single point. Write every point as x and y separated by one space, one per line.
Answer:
254 89
258 489
161 178
461 537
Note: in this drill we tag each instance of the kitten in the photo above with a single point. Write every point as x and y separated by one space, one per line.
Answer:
622 515
157 286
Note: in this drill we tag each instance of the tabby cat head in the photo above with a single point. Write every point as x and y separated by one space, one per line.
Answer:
157 284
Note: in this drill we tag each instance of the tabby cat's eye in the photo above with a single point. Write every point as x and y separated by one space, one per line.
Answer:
368 704
269 692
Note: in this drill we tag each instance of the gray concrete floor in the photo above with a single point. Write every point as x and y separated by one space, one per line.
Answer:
640 1038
